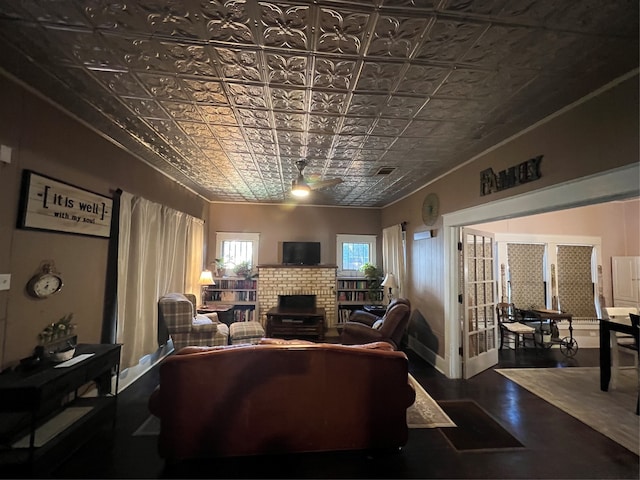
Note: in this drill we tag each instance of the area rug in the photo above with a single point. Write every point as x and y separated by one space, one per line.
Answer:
576 391
151 426
476 429
424 413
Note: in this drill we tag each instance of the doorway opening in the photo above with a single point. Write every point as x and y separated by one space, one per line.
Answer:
616 184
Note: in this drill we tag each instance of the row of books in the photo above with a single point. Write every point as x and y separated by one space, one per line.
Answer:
244 315
230 296
343 315
366 296
234 284
353 284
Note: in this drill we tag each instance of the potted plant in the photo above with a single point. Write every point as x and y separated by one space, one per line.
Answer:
374 277
243 269
219 263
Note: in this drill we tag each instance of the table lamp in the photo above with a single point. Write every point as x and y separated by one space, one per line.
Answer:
206 278
390 281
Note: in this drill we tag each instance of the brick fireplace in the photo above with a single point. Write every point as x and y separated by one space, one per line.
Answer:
278 280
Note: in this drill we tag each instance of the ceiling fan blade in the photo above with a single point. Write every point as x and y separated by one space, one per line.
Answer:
324 183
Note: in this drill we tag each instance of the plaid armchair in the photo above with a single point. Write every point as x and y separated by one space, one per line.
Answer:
179 313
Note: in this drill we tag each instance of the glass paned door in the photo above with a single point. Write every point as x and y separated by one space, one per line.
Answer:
478 312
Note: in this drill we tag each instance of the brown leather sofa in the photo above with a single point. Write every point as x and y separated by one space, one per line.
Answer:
365 327
281 397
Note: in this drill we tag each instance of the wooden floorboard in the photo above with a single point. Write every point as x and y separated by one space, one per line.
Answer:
555 444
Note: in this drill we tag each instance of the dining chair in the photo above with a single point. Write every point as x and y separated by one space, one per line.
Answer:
621 340
509 323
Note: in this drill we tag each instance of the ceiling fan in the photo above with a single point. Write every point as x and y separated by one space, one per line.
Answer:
301 187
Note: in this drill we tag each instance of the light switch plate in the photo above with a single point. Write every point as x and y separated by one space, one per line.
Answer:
5 154
5 281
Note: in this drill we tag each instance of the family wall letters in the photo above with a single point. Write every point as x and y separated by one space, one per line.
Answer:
524 172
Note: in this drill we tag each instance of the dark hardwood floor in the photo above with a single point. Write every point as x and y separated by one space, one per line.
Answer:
556 444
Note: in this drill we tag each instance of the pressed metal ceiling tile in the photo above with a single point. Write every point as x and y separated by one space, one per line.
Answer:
226 95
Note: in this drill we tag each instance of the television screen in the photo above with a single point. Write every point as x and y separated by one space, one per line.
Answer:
301 253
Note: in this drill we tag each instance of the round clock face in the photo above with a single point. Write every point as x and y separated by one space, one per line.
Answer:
43 285
430 208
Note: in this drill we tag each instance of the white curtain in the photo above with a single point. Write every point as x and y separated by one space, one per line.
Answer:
393 256
155 245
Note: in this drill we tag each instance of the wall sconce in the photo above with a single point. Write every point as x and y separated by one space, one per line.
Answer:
206 278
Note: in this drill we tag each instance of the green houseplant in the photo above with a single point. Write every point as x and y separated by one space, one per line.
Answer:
374 278
219 263
243 269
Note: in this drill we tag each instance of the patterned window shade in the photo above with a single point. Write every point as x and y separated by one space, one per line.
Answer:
575 284
526 274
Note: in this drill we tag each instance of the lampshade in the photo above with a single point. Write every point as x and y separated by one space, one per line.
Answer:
206 278
299 188
389 281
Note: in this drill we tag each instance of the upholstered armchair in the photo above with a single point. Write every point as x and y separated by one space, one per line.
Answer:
179 314
364 327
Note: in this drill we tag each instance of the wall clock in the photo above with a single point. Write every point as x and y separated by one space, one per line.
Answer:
45 283
430 209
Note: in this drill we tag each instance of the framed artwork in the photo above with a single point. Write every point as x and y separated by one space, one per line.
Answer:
52 205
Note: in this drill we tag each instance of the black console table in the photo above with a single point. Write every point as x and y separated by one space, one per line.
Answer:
295 322
44 418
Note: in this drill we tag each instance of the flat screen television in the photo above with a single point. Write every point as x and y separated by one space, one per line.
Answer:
301 253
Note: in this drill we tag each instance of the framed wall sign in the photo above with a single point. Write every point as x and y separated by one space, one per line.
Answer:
49 204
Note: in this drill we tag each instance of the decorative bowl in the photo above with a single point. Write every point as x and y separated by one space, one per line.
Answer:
62 356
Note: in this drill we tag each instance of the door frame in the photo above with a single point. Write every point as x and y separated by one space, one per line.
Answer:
616 184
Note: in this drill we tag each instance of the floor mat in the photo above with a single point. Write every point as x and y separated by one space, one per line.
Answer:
475 429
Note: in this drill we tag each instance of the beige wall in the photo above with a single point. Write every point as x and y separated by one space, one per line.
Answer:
597 135
614 222
283 223
49 142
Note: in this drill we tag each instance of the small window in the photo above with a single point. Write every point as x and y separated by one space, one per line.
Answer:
353 251
236 248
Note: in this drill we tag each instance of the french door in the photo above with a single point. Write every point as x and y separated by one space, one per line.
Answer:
478 290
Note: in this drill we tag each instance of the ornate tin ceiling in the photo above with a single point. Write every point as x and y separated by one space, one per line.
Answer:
225 96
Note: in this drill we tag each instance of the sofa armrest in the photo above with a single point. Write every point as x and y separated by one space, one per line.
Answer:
354 332
361 316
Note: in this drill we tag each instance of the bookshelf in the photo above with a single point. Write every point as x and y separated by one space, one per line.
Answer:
353 293
239 292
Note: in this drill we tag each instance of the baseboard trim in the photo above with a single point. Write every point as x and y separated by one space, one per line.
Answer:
129 375
428 355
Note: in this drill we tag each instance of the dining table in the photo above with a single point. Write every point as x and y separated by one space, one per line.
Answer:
607 326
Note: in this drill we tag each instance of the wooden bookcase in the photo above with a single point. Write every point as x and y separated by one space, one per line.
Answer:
239 292
353 293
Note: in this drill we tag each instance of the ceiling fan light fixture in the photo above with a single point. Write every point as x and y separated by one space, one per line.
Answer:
300 189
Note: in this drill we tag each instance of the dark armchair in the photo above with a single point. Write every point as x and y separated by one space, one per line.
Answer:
364 327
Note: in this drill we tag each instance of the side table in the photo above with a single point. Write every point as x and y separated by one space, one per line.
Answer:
51 391
225 312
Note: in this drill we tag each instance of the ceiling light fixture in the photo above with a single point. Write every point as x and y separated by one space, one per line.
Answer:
299 188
